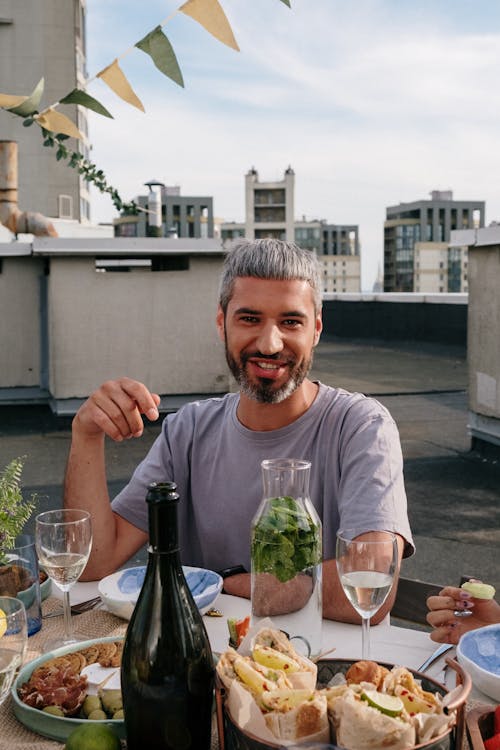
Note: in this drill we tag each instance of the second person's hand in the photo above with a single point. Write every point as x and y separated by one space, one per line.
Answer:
115 409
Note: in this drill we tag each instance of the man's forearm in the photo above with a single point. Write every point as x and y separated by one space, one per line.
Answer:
85 486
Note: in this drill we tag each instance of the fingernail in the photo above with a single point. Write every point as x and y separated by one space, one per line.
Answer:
465 595
138 433
152 414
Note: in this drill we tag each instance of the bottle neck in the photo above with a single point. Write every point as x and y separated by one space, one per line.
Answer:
163 537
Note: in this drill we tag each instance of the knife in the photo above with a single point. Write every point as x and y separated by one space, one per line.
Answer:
443 649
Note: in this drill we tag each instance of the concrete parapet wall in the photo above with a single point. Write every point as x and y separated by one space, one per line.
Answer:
437 318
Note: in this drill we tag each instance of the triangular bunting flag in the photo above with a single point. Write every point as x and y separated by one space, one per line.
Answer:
287 2
30 103
57 123
156 45
210 15
7 101
77 96
115 78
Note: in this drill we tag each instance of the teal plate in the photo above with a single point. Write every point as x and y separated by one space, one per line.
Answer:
55 727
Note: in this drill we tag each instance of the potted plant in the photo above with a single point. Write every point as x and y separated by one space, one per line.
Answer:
15 511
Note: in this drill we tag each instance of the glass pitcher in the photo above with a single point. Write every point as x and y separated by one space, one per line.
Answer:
286 552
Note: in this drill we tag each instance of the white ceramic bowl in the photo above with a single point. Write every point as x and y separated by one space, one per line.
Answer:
478 651
120 590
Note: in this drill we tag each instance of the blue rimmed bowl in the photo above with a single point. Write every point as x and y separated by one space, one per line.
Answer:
119 591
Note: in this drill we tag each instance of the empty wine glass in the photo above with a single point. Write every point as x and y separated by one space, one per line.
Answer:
13 641
63 542
366 566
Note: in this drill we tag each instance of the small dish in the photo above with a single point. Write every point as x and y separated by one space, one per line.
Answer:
119 591
478 651
48 725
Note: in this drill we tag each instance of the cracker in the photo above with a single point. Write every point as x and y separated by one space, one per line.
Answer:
106 652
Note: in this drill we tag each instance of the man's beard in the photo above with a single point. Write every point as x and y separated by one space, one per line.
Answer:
264 390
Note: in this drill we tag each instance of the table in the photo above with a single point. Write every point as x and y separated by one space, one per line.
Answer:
389 643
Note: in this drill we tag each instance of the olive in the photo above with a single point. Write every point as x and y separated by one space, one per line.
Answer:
91 703
54 710
97 715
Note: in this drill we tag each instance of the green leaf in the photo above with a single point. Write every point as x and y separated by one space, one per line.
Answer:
77 96
30 105
156 45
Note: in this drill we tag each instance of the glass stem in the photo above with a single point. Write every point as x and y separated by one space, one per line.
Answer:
365 637
68 627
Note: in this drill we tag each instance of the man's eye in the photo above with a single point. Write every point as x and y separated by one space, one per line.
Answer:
291 323
249 319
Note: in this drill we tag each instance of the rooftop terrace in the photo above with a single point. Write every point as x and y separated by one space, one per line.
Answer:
453 493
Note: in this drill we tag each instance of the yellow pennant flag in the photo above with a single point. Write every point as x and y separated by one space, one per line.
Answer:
57 123
210 15
11 100
115 78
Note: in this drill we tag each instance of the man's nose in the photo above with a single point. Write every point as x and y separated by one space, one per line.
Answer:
270 340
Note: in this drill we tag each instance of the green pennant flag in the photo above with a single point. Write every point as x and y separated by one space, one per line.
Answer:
77 96
30 104
156 45
287 2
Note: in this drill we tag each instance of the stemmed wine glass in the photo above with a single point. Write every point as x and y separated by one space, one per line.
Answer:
13 641
63 541
366 566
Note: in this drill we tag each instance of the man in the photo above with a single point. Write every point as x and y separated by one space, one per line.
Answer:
269 317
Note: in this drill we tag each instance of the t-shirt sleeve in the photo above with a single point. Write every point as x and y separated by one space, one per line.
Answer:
372 493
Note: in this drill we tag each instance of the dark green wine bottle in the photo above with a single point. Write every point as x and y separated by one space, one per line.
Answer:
167 668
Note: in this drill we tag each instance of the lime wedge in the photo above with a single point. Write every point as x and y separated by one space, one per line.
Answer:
387 704
479 590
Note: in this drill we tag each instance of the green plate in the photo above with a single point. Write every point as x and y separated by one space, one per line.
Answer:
55 727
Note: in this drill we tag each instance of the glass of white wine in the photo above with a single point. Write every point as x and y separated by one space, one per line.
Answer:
366 566
13 641
63 542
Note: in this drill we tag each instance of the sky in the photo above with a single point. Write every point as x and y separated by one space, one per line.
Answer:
372 103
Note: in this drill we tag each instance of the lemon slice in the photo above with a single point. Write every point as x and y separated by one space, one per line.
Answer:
390 705
3 622
479 590
269 657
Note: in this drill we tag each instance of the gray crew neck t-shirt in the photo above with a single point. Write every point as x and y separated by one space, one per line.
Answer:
356 473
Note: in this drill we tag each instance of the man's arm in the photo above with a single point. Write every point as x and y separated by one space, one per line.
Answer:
336 606
115 410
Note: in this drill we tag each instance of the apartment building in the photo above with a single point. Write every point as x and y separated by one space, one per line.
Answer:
45 39
417 257
164 212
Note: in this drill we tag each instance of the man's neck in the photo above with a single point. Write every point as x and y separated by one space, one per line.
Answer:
266 417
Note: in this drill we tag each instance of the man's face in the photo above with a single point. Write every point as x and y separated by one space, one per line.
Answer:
270 329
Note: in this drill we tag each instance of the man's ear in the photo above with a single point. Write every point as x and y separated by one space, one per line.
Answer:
219 319
318 328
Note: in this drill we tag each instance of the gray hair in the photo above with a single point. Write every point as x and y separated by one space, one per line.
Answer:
269 259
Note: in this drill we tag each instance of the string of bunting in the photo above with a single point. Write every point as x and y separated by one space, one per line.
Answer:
208 13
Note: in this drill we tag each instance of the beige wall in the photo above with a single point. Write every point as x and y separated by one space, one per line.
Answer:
20 321
157 327
483 339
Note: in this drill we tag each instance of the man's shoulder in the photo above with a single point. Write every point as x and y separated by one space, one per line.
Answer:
204 410
353 403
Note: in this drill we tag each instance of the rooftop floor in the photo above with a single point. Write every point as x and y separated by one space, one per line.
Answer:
453 494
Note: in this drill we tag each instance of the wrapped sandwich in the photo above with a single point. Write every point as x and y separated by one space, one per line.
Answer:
262 698
377 708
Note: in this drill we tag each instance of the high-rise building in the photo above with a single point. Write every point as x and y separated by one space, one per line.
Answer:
416 237
270 212
269 206
182 216
45 39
